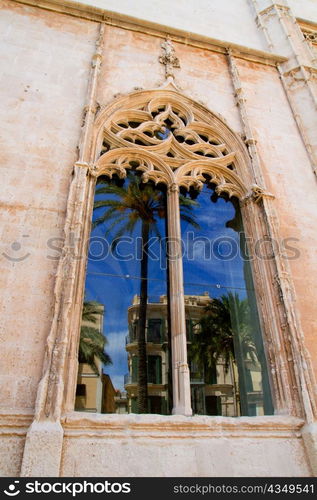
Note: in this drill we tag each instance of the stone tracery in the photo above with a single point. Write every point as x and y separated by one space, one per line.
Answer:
166 140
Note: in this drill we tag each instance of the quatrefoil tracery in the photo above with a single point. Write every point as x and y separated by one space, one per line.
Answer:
166 140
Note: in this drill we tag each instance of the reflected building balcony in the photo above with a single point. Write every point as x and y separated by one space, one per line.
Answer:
128 380
197 380
154 335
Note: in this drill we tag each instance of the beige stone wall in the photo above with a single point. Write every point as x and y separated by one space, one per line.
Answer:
11 452
304 10
211 18
13 428
45 62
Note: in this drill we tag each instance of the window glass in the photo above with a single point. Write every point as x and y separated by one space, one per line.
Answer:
224 343
125 295
125 340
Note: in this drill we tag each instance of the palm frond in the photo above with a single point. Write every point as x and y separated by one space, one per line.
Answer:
92 341
191 220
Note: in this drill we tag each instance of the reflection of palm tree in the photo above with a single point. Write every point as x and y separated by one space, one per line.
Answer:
134 203
92 341
224 332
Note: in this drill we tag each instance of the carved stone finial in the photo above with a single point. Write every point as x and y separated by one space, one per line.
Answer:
168 58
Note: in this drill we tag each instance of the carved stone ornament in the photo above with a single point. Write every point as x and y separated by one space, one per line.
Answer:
300 75
168 58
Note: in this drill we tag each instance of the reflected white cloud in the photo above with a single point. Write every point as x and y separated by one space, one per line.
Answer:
116 342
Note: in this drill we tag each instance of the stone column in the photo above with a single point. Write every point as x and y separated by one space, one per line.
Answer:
181 379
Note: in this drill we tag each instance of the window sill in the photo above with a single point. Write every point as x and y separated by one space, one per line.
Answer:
108 425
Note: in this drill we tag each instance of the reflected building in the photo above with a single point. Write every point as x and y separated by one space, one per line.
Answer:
95 391
157 355
213 392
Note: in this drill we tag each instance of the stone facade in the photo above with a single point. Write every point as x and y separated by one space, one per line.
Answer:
67 66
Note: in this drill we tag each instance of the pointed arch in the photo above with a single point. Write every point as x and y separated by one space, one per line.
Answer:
174 139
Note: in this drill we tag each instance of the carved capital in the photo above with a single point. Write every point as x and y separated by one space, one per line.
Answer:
91 108
93 171
172 188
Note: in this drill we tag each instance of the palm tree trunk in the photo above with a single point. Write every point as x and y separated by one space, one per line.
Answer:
234 387
142 359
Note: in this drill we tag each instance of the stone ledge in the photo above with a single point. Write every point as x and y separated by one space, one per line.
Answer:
77 424
16 423
124 21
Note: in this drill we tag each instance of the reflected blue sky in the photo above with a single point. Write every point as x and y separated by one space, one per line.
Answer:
212 258
113 281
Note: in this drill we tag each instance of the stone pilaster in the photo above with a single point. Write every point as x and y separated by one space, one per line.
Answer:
299 73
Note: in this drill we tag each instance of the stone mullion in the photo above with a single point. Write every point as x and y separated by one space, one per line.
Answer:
181 377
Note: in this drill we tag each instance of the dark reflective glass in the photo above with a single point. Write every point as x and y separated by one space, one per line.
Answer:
124 347
225 349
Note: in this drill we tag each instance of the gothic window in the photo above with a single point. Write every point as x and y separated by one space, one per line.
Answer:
169 267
